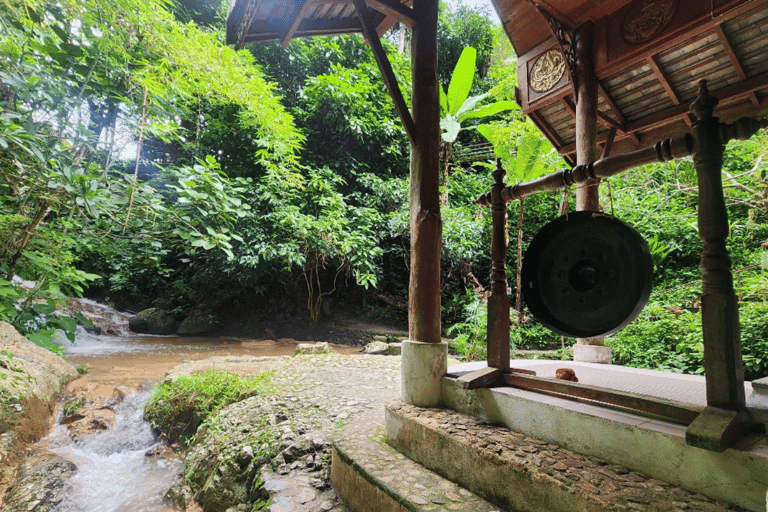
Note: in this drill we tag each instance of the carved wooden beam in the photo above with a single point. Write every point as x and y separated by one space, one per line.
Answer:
663 151
498 304
726 418
245 22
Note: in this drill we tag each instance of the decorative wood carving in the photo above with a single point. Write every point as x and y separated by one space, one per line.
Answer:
566 39
547 70
646 19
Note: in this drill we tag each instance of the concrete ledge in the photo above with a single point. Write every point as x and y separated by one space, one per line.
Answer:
370 476
523 474
359 489
646 445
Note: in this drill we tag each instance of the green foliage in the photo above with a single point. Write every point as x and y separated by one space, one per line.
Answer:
458 28
73 406
534 336
671 340
457 106
177 408
470 335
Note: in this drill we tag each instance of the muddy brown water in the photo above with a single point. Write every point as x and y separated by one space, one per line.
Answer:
136 361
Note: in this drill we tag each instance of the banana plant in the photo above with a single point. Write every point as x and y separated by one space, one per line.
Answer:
457 107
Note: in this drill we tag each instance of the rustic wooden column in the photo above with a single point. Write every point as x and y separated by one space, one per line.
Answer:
587 194
426 222
590 350
725 419
424 354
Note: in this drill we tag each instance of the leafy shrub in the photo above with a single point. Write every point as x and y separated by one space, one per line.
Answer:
663 340
177 408
470 341
534 336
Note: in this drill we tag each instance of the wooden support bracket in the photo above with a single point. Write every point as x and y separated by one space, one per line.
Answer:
716 429
489 377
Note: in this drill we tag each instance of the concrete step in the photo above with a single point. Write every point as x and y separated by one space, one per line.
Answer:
519 473
371 476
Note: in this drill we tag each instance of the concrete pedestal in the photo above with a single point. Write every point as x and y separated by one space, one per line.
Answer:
757 402
423 367
592 354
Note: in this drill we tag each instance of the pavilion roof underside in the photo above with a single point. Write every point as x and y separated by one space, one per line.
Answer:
282 20
647 66
646 80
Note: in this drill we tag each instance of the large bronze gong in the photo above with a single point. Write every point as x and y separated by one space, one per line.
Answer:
586 274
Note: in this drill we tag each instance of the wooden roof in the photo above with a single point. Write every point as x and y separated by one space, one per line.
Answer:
282 20
649 56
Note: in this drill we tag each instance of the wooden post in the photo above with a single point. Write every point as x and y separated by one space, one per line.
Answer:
498 303
424 355
726 418
588 193
426 222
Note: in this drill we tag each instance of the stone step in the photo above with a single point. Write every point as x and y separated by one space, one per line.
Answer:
371 476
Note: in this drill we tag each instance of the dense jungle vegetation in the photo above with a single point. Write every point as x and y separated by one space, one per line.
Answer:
144 163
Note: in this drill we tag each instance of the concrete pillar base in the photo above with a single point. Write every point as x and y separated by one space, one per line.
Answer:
423 368
757 402
592 354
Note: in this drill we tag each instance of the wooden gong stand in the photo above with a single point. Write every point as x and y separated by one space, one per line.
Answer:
725 419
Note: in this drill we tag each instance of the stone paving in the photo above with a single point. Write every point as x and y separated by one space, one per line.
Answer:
351 391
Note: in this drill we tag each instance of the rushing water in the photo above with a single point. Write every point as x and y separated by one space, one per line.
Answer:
113 472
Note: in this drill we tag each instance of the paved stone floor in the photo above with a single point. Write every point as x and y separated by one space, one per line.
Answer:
353 391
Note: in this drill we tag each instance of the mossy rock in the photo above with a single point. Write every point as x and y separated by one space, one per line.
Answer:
197 323
153 321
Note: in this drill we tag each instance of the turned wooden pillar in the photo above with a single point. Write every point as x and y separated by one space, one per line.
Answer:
426 222
719 306
726 418
498 303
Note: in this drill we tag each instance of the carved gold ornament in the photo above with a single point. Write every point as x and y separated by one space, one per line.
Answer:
645 19
547 70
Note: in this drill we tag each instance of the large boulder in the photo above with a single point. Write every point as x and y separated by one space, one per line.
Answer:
40 485
30 380
197 323
30 376
153 321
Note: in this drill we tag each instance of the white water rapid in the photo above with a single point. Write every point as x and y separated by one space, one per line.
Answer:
113 473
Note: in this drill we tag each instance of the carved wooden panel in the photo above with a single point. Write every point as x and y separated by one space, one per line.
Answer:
543 75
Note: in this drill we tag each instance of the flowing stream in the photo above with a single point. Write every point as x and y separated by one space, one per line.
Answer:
113 471
114 474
